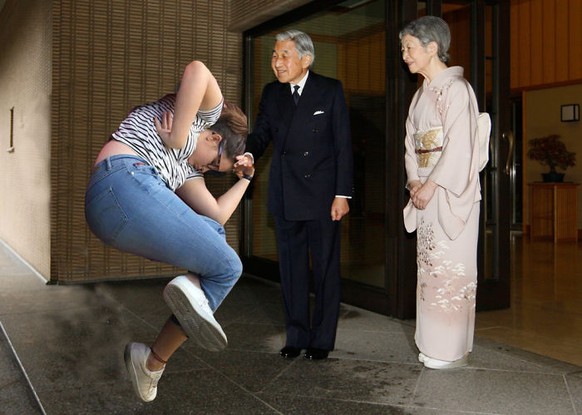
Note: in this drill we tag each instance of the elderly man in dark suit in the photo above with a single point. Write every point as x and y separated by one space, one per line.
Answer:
305 116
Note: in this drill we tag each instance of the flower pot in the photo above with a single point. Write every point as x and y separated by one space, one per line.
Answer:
553 177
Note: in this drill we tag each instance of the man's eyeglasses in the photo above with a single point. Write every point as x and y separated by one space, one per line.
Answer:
215 165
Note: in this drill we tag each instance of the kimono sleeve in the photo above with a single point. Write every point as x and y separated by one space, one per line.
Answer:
453 170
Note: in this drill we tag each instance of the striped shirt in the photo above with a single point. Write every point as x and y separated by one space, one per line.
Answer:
138 131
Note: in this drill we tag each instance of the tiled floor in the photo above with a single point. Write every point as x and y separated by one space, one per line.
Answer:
546 296
69 340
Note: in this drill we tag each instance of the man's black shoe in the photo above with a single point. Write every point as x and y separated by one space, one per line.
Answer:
316 354
289 352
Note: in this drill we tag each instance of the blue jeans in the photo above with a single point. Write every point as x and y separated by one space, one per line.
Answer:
128 206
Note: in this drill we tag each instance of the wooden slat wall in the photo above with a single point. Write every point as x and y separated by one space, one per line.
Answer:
109 56
247 14
546 42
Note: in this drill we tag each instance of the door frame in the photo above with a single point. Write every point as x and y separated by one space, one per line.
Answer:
493 290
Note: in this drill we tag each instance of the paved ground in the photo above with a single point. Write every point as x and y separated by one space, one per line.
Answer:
70 339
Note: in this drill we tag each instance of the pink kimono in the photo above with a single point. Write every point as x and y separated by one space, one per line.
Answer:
442 145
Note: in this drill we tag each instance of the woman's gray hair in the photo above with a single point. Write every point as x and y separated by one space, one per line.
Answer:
303 43
430 29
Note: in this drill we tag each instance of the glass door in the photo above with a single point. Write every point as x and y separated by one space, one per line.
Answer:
349 39
480 33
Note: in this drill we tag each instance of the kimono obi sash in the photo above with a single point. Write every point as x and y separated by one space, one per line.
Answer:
428 146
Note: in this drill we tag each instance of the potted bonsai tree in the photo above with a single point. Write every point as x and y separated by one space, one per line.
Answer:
552 152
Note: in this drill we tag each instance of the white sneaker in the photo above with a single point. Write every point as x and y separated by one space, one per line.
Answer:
190 306
144 381
432 363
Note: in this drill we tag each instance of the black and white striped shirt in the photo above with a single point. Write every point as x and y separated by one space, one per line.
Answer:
138 131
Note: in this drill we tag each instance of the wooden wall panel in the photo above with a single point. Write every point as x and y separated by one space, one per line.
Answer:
575 44
548 43
536 42
523 44
514 61
562 41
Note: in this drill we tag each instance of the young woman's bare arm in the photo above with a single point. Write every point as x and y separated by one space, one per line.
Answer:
198 90
199 198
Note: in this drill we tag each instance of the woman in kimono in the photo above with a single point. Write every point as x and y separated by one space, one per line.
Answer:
442 167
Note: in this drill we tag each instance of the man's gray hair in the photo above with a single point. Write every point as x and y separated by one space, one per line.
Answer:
303 43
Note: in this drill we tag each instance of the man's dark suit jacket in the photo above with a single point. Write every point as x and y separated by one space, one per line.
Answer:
312 152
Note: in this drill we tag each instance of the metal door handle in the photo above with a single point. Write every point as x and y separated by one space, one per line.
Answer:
511 139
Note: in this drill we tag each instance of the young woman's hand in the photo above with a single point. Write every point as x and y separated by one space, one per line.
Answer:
164 128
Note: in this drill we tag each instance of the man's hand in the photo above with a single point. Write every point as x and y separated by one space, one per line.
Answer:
339 208
244 165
